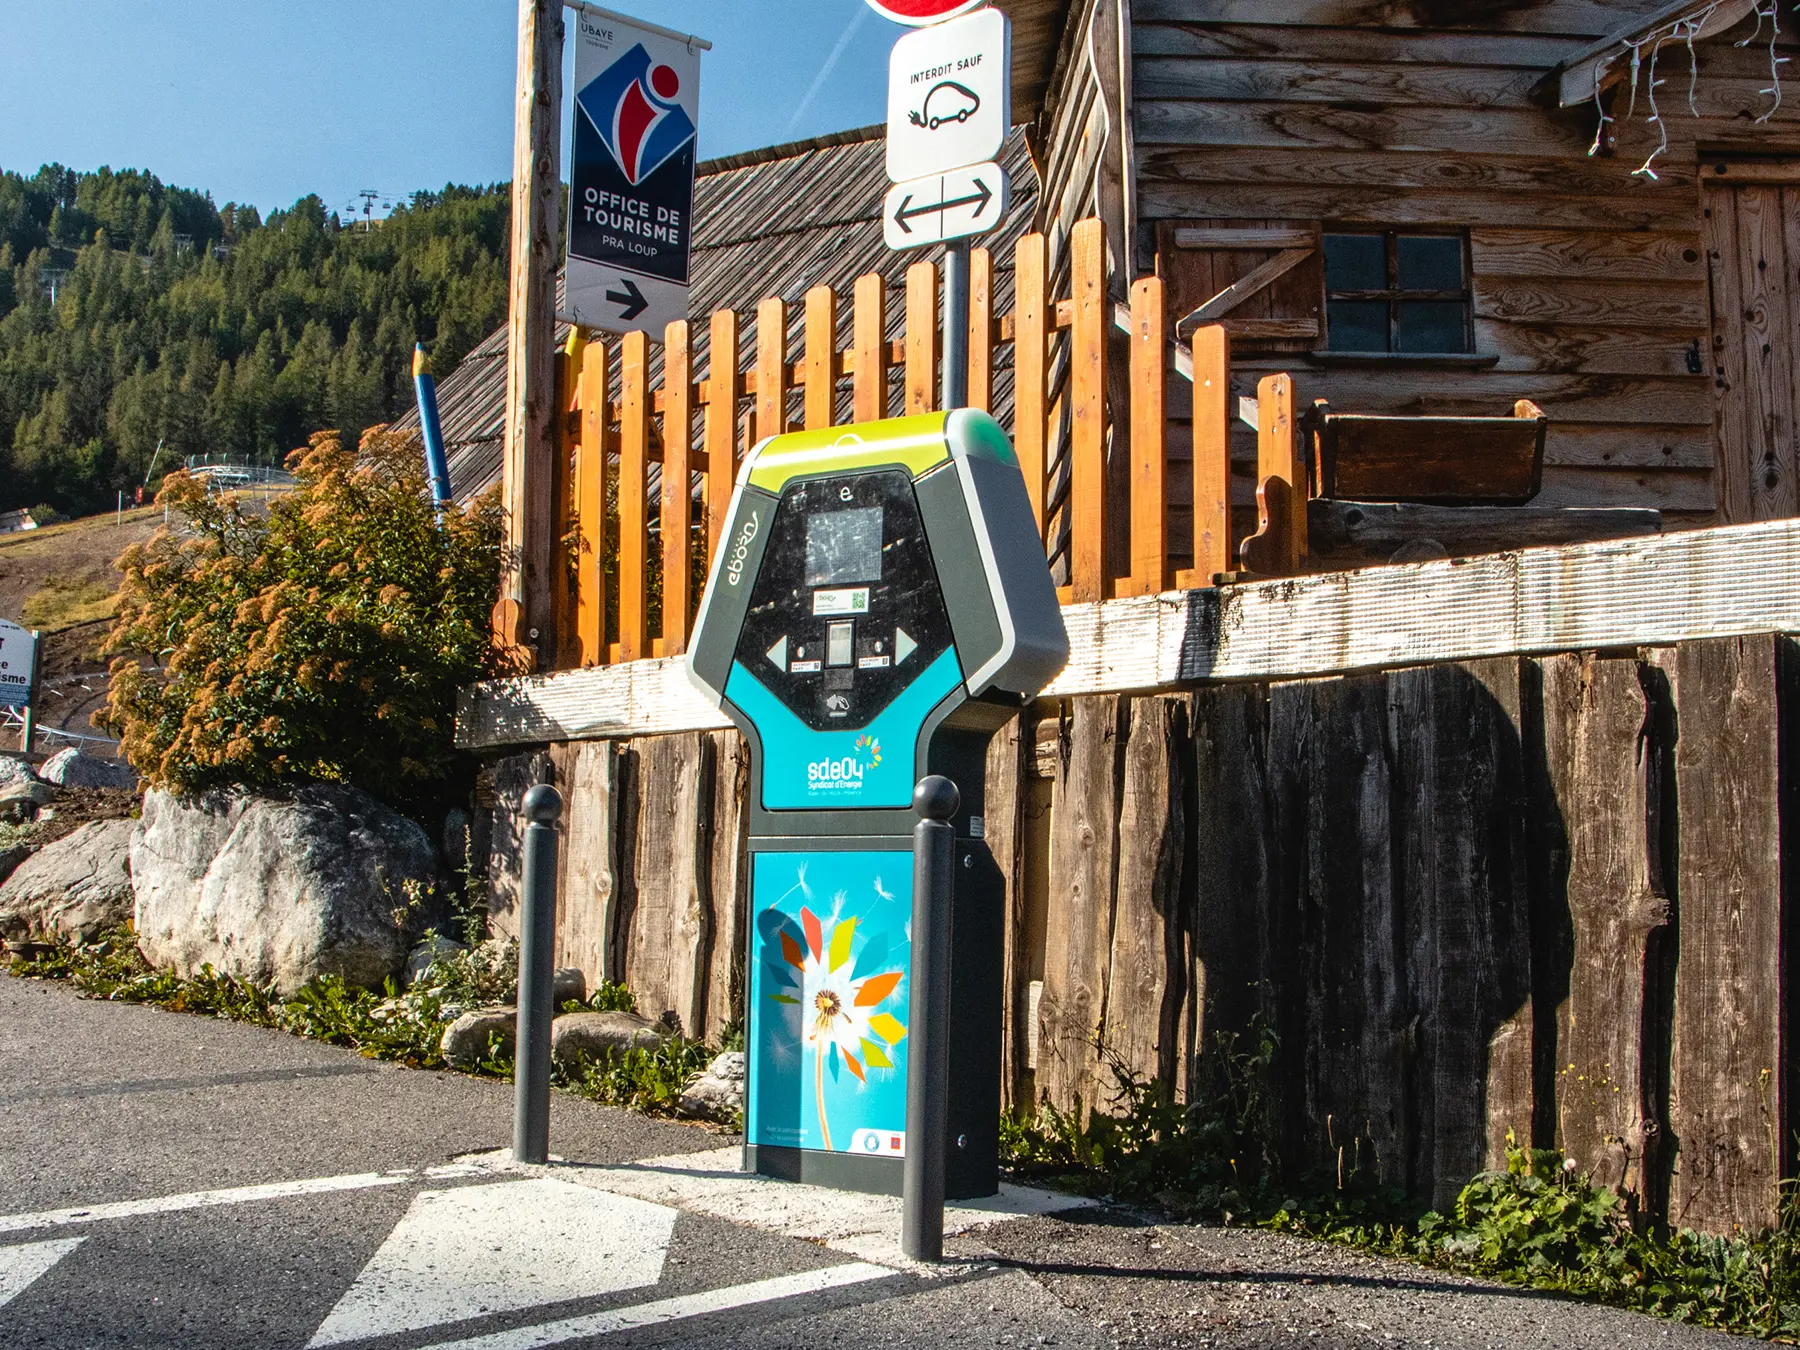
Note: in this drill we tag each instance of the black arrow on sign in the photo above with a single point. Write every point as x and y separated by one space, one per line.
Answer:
632 303
906 210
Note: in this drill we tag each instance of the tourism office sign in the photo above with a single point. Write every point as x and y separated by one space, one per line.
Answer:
631 193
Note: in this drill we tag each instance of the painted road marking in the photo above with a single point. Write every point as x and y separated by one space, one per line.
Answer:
21 1267
237 1195
478 1250
674 1309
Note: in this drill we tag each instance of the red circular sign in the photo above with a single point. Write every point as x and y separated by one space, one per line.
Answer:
918 13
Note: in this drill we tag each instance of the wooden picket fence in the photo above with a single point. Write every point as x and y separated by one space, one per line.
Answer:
618 419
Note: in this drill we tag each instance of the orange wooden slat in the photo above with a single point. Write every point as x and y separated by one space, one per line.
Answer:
590 510
1149 457
634 466
821 356
563 577
1212 457
1277 456
921 338
721 424
771 368
981 329
677 514
1087 404
869 354
1031 385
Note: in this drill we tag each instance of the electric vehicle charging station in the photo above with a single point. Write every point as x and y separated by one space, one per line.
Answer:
880 606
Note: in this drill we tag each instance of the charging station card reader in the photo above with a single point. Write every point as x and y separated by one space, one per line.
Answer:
880 606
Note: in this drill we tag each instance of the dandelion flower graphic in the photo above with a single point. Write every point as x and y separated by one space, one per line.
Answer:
870 747
839 1004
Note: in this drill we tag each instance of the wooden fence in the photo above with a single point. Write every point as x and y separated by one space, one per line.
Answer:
620 416
1541 895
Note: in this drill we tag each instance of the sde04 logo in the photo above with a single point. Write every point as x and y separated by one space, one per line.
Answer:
844 774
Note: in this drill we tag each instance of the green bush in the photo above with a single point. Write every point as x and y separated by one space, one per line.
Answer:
323 640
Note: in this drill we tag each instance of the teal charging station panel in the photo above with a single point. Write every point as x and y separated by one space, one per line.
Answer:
880 606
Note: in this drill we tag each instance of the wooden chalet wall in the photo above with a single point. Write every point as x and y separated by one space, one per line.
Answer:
1538 895
1590 284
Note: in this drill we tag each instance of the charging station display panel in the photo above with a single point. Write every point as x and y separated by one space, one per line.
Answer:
830 988
846 644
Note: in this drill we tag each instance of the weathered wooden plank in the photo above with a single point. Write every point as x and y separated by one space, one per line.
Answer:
634 475
1087 386
1147 970
981 329
1759 381
1149 455
590 510
1163 194
666 950
1083 870
921 338
1607 255
513 777
727 889
771 368
1460 839
584 910
1031 407
1002 826
1662 305
1281 125
1278 457
1571 18
1348 531
1277 41
1663 490
1380 82
1557 348
1210 453
676 510
869 347
1595 713
1728 1107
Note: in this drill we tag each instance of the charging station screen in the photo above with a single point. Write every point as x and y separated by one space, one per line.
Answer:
843 546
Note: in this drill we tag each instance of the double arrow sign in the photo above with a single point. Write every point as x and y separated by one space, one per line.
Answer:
945 206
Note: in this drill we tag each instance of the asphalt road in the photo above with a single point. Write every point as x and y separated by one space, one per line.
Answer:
173 1181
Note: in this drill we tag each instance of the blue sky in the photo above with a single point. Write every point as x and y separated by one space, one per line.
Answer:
266 100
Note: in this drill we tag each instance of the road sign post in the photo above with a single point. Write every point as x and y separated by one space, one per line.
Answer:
20 652
631 192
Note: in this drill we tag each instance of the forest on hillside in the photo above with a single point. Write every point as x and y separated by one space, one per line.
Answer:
135 314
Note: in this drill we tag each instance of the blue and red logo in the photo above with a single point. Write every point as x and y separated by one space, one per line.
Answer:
633 105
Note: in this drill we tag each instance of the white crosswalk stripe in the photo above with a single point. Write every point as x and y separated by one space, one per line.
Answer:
22 1266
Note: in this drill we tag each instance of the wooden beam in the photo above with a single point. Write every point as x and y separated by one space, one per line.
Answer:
1211 377
1737 580
1246 240
981 329
771 368
1031 386
564 577
921 338
1580 77
821 356
522 616
634 470
1087 393
869 361
590 510
721 423
1149 431
677 507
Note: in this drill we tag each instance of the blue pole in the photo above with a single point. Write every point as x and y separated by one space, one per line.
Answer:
435 464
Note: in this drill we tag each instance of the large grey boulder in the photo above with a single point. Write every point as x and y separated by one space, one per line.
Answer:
71 890
71 768
277 891
470 1038
14 771
595 1035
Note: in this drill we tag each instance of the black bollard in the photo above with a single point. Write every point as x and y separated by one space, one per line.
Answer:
537 973
936 799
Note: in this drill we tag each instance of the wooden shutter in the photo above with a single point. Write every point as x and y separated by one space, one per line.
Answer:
1264 280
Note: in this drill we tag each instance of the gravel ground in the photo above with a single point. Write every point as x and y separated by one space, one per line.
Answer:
1179 1285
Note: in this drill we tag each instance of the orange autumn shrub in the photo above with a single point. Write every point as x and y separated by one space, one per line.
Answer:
323 640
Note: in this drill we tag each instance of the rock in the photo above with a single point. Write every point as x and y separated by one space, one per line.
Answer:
717 1094
467 1040
11 858
72 889
20 799
593 1035
431 949
71 768
277 891
568 985
14 771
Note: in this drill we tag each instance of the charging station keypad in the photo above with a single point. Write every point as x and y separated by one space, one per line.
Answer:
846 610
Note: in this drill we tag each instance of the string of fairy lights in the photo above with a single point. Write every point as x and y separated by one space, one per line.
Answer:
1683 32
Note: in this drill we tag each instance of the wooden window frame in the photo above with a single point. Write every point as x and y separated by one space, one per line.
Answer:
1393 294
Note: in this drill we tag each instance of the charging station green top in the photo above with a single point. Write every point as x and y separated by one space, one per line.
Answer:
869 578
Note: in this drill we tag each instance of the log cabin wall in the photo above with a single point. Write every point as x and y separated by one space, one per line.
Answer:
1542 896
1589 283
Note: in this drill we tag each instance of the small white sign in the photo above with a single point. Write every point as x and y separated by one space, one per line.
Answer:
18 650
949 95
945 206
849 601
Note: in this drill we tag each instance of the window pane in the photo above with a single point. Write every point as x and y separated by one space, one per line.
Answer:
1358 325
1355 262
1429 263
1433 326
